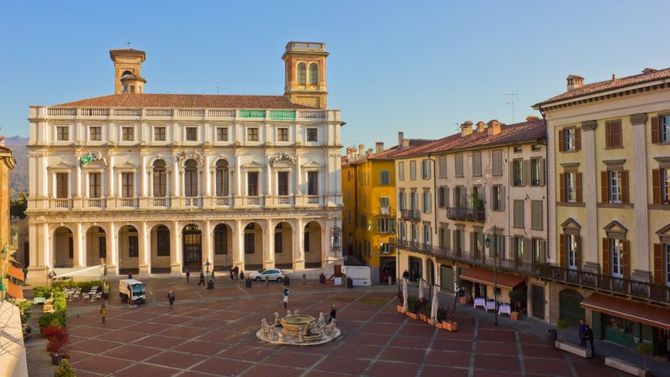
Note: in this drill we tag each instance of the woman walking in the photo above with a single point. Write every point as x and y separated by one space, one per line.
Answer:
286 292
103 312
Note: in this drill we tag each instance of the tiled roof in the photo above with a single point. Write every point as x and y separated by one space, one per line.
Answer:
187 100
602 86
390 152
509 134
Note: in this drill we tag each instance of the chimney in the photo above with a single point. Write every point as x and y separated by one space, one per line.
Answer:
575 82
379 146
466 128
401 137
481 127
495 127
405 143
648 70
613 77
361 149
531 118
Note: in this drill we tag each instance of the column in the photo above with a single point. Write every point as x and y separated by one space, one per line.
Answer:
268 181
298 242
326 258
112 259
143 177
590 226
79 247
175 248
268 245
145 250
238 245
111 192
208 179
238 181
175 178
640 251
208 249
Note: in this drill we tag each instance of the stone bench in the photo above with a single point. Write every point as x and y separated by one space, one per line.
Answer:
575 350
625 366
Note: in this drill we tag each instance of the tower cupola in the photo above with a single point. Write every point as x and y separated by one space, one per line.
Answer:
127 66
305 73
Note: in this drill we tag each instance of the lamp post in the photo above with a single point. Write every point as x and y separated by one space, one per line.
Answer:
207 268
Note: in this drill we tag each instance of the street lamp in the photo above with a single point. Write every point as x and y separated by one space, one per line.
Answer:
207 268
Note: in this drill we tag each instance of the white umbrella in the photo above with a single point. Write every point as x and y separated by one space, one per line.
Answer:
434 304
404 295
420 289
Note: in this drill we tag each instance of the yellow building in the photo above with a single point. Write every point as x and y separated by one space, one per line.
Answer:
9 273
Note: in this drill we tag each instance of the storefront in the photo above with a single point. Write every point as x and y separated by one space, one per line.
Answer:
480 283
628 322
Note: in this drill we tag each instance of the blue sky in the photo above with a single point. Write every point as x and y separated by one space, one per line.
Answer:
418 67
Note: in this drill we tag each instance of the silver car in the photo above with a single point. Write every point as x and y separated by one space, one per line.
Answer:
270 274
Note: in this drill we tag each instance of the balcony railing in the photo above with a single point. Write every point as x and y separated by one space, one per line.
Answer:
465 213
61 203
285 200
254 200
192 201
410 214
128 202
223 201
96 203
161 202
313 199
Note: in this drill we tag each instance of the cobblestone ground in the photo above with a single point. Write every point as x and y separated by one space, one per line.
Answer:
211 333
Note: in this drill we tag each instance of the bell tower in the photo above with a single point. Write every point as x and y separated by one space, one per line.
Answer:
127 65
305 73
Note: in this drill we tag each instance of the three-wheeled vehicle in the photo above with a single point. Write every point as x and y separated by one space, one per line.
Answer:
132 291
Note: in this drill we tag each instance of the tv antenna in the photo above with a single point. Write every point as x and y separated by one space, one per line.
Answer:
511 102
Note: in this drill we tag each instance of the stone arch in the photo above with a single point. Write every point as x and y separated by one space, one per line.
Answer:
283 245
128 242
252 246
312 244
569 306
96 245
161 247
222 243
63 247
191 238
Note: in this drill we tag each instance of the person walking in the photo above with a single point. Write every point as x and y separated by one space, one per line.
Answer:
188 276
286 292
171 297
236 272
582 331
202 279
103 312
333 313
588 335
241 275
231 272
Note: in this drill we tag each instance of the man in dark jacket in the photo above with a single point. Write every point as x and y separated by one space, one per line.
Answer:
202 279
333 313
588 335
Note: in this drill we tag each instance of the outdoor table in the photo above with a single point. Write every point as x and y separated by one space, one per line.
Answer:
479 301
490 305
505 309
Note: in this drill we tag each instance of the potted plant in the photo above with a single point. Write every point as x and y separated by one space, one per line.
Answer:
561 325
452 325
400 304
441 318
515 298
477 202
57 338
412 308
64 369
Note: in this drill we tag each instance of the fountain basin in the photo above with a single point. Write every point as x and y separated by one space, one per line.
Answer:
293 324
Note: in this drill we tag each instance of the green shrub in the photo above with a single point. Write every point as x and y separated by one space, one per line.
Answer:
412 304
59 301
24 308
64 369
58 318
42 292
441 314
84 285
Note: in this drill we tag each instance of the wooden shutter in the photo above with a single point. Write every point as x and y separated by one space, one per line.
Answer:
562 256
625 193
606 256
527 252
625 262
561 142
608 134
525 173
656 129
656 183
578 252
561 187
659 273
578 185
617 137
542 172
503 198
578 139
604 187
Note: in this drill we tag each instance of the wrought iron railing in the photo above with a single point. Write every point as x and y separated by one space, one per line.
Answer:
465 213
410 214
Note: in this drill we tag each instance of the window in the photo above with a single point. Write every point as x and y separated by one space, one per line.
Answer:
363 222
497 198
613 192
222 178
442 239
413 205
312 183
385 225
401 200
477 164
426 202
458 241
442 166
62 185
191 134
412 170
312 134
282 183
384 202
666 253
425 169
94 185
498 246
517 173
569 186
95 133
220 240
159 179
497 162
385 178
402 231
159 133
282 134
459 165
222 134
426 234
162 241
249 246
190 178
442 196
460 197
537 171
518 149
519 213
616 256
401 170
279 240
62 133
613 138
127 185
313 74
252 183
536 215
133 247
518 248
252 134
386 248
302 74
415 232
128 133
571 250
569 140
537 245
661 185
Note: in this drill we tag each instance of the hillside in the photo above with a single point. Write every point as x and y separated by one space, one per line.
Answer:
18 176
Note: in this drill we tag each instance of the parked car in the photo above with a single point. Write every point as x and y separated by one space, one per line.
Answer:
132 291
271 274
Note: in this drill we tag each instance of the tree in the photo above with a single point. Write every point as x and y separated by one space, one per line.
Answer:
17 207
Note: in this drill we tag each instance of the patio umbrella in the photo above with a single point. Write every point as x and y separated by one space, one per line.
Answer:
404 295
434 304
420 289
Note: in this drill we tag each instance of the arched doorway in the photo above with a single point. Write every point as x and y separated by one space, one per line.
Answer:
283 243
192 248
387 269
223 236
415 269
129 250
96 246
253 247
569 307
160 249
63 248
312 245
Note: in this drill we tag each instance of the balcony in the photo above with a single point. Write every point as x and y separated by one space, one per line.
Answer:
192 201
284 200
466 214
61 203
410 214
254 200
160 202
127 203
95 203
313 199
223 201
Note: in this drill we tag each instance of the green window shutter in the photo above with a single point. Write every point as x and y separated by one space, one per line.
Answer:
252 113
282 114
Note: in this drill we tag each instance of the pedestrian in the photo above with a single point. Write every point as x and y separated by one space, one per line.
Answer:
405 275
236 272
170 297
333 313
588 335
103 312
241 275
212 275
286 292
130 275
188 276
582 330
231 272
202 279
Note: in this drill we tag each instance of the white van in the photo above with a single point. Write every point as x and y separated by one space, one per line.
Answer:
360 275
132 291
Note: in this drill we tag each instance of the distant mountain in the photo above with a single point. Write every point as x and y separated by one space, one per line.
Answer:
19 175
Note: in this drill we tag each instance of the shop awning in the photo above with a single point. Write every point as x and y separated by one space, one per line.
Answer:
482 276
631 310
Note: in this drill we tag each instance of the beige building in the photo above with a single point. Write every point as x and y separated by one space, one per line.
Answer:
157 183
609 213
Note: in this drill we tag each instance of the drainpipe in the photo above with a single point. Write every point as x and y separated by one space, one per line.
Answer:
434 178
546 186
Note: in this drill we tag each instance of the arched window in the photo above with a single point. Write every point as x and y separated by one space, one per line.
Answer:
302 74
160 179
222 182
314 74
190 178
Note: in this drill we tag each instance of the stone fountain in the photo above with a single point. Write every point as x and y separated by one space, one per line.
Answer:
298 330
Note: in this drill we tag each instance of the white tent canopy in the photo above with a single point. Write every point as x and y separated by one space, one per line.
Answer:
83 272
